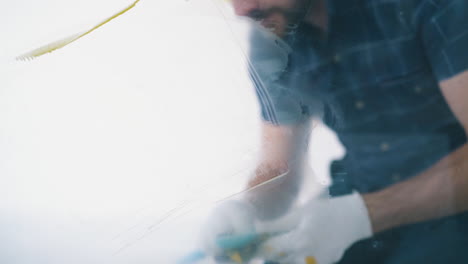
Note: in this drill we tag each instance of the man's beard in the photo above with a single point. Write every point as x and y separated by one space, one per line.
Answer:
296 13
300 11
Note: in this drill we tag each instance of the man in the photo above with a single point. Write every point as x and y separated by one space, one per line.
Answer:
391 79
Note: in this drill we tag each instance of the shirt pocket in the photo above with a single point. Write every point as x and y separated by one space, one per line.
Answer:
396 59
402 75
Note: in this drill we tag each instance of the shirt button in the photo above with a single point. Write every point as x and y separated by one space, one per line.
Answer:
396 177
360 105
384 146
336 58
418 89
377 244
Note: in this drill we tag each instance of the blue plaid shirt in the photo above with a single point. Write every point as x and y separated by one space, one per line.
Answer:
375 75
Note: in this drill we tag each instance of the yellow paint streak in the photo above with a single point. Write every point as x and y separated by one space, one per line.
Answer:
310 260
269 249
236 257
63 42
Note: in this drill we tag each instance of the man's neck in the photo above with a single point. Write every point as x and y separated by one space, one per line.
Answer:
318 14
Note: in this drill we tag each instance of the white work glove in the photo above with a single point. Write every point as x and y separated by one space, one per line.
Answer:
230 218
250 220
328 226
236 228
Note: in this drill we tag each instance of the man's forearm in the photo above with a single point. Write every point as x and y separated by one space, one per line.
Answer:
274 189
276 181
440 191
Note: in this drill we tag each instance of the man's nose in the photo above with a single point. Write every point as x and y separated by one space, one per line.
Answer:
244 7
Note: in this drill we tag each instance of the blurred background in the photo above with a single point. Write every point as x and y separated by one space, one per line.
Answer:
114 148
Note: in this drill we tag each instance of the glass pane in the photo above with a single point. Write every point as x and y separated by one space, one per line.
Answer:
241 131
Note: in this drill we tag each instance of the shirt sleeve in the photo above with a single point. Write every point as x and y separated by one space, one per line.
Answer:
278 104
278 97
444 33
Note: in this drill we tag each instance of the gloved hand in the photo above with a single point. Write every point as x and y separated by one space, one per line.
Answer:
230 218
326 229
